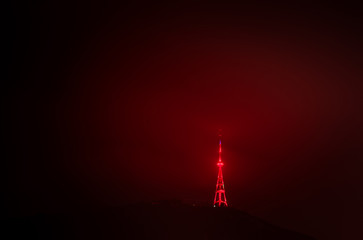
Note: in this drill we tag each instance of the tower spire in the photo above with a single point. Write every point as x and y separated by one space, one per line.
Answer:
220 195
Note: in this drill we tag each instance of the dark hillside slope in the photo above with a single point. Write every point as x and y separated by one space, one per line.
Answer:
147 221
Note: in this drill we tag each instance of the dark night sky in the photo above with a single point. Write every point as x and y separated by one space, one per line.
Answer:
111 104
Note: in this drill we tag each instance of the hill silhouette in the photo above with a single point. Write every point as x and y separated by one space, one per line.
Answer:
158 220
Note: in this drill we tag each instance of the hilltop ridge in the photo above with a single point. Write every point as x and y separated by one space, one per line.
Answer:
157 220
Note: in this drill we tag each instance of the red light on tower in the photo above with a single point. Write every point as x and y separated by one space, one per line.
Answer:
220 196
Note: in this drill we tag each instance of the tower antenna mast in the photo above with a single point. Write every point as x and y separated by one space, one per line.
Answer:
220 195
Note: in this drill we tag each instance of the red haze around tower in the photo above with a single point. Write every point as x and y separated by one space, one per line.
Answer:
107 101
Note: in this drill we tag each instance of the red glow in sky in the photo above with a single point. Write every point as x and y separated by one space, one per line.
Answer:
106 102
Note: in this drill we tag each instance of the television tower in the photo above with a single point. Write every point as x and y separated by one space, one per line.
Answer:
220 196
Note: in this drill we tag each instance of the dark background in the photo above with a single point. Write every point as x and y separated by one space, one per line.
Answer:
108 104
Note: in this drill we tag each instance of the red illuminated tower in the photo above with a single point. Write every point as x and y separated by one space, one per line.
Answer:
220 196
